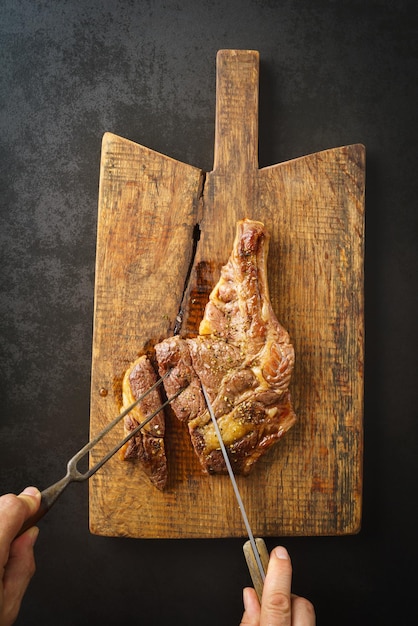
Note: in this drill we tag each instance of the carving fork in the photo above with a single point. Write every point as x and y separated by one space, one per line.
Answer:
51 494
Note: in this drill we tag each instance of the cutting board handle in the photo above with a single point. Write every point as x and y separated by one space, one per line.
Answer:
236 123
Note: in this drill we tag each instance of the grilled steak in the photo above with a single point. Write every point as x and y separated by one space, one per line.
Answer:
146 447
244 358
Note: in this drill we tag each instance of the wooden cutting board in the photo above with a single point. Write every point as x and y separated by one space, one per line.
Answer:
310 483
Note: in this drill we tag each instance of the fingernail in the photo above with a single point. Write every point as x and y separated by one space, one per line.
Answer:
281 553
31 491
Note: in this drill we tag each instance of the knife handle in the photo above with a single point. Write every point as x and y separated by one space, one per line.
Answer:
258 581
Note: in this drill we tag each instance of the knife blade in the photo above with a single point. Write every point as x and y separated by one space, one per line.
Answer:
255 550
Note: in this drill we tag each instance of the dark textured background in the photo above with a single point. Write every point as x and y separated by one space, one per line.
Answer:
332 73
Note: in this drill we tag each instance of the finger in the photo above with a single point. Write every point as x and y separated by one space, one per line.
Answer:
18 571
303 612
251 615
276 600
14 510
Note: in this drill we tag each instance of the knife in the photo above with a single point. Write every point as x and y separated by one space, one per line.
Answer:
255 550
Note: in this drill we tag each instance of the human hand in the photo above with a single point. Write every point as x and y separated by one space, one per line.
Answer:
17 563
279 606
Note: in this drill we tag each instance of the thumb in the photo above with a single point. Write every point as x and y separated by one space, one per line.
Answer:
32 498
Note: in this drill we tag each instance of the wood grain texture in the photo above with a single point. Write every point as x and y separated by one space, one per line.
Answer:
310 483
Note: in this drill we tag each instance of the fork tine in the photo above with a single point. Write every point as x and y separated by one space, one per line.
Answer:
118 446
79 455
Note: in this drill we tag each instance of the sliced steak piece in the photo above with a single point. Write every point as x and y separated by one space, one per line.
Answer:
147 447
173 353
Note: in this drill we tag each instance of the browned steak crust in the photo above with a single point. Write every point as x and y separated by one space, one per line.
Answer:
146 447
